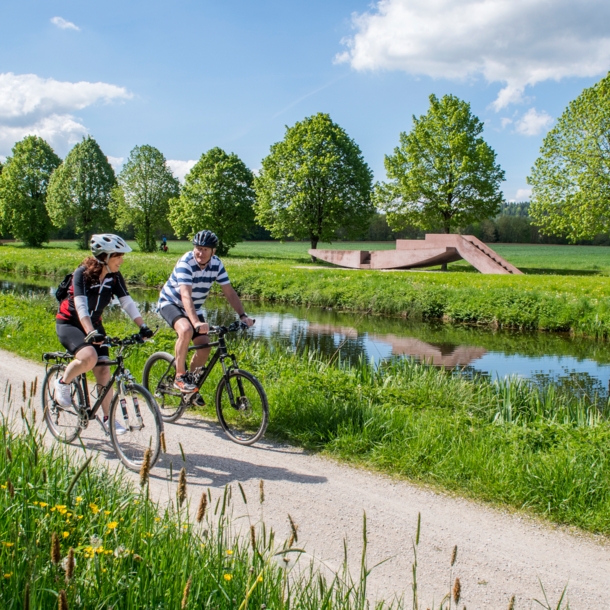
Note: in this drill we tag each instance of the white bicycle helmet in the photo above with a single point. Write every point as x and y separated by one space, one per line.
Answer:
107 243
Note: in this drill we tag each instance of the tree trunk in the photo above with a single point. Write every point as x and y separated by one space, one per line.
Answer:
447 230
314 245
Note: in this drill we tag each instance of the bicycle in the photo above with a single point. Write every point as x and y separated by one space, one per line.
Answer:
132 406
241 403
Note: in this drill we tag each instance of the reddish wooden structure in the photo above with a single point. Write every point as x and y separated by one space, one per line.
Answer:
436 249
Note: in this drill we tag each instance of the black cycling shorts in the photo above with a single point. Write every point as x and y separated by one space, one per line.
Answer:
73 338
172 313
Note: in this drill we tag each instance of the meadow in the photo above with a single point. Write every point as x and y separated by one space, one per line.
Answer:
539 449
568 298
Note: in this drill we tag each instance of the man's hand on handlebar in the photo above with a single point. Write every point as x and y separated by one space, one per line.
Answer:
203 328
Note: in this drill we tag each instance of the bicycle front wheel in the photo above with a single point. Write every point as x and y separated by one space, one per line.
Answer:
63 422
135 426
241 406
158 378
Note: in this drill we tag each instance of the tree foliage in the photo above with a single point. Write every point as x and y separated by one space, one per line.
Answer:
217 195
80 191
140 200
443 174
571 178
313 183
23 190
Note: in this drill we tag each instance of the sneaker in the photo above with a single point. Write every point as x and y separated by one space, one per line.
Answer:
184 383
63 395
118 428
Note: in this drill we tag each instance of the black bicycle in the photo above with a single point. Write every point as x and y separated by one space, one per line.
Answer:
132 407
241 402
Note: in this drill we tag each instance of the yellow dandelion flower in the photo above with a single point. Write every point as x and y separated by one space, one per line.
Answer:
3 487
112 525
94 508
79 499
228 577
99 550
157 519
229 552
8 575
9 544
260 579
80 516
35 503
65 534
43 504
106 512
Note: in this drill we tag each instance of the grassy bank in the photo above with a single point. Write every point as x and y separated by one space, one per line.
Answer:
74 538
576 304
509 443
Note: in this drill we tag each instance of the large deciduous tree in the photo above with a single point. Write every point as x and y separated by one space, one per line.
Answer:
571 178
23 190
314 182
80 191
217 195
443 174
145 186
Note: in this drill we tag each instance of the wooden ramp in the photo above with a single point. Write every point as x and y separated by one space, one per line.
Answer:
435 250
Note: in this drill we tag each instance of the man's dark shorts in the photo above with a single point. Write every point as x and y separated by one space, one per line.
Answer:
172 313
73 338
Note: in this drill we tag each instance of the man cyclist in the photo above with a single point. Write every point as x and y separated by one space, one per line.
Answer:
78 322
182 298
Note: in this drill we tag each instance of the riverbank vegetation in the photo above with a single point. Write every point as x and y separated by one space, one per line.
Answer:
572 303
542 449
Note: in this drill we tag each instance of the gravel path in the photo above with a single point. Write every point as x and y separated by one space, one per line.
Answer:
500 554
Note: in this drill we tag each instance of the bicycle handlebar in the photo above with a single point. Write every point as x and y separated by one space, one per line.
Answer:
221 331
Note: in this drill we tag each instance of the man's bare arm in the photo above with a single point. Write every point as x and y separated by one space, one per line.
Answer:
186 295
235 302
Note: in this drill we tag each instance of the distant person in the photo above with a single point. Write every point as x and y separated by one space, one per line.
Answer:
182 298
163 246
79 319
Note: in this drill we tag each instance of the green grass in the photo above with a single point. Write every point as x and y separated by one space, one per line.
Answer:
129 553
575 304
539 449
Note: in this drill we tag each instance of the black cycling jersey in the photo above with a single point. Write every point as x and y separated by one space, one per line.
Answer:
98 296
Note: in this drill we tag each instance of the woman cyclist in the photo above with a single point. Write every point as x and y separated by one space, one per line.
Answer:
79 319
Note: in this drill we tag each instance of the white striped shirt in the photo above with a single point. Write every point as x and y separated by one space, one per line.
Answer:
187 272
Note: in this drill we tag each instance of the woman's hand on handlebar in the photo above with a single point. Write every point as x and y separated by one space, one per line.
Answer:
95 337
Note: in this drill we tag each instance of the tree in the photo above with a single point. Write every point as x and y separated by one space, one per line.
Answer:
314 182
217 195
145 186
571 178
443 174
23 190
80 190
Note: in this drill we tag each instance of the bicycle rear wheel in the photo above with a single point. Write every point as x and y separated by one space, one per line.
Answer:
158 378
242 407
63 422
136 412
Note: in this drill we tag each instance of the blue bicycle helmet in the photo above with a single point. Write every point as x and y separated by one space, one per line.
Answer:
206 239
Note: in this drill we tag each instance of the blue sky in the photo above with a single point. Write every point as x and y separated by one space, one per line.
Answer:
190 75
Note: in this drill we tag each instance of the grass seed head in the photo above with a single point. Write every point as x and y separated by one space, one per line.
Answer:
203 503
185 596
70 565
25 393
44 475
261 488
11 488
253 538
181 486
454 555
294 527
457 590
9 454
163 445
145 468
511 603
62 601
55 549
26 597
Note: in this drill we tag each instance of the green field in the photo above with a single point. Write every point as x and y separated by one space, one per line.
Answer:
539 449
577 301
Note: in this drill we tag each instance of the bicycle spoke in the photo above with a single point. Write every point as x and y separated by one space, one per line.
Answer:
63 422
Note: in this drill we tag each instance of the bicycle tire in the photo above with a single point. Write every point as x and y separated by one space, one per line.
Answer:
143 431
70 427
246 422
158 378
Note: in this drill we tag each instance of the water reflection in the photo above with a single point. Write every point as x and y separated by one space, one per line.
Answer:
583 365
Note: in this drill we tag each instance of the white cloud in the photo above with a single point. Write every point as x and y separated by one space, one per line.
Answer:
523 194
533 122
116 162
61 130
513 42
181 168
63 24
30 104
505 121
